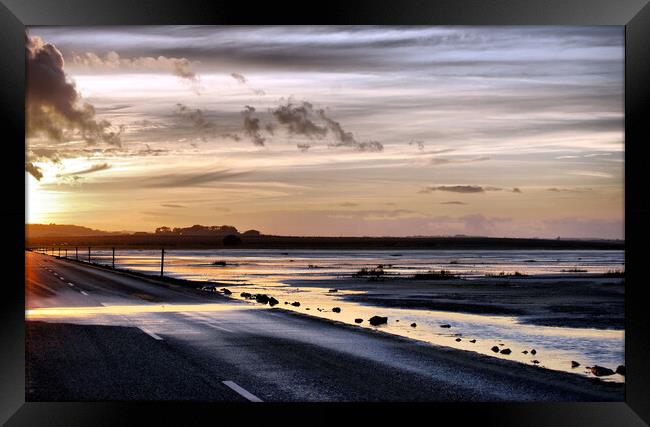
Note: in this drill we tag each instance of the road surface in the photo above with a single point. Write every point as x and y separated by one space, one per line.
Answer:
94 334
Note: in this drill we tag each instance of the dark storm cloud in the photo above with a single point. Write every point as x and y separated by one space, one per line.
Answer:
54 107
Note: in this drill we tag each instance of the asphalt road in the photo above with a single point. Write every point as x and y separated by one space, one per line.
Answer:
94 334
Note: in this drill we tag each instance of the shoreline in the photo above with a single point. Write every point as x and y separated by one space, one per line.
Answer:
197 285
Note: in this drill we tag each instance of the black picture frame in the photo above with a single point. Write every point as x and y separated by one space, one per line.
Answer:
15 15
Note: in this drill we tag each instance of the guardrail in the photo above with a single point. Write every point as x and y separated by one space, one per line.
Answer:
55 251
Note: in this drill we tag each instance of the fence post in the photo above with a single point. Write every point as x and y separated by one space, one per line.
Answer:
66 253
59 251
162 262
76 252
88 254
113 258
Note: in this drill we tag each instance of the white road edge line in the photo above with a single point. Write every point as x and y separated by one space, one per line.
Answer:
241 391
151 334
212 325
83 293
70 284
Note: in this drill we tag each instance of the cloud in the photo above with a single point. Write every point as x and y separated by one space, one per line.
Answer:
244 82
180 67
442 161
594 174
54 107
94 168
252 126
298 120
171 205
302 119
465 189
34 170
453 203
568 190
188 179
195 119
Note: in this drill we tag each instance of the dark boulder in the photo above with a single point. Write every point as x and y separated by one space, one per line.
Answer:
358 320
601 371
445 326
245 295
273 301
533 351
333 290
458 340
295 304
506 351
472 341
261 298
574 364
378 320
495 349
620 370
525 351
219 263
226 291
414 325
536 362
336 309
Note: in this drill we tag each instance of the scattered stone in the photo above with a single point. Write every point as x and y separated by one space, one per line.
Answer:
601 371
445 326
495 349
378 320
501 344
273 301
333 290
536 362
414 325
358 320
472 341
307 308
533 351
219 263
295 304
261 298
397 320
506 351
574 364
245 295
620 370
336 309
525 351
286 302
458 340
226 291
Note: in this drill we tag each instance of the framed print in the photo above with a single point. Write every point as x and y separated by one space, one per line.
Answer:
422 208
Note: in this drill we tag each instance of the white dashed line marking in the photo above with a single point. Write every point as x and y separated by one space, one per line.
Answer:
151 334
242 392
70 284
83 293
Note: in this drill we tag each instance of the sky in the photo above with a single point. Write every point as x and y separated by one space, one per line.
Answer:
328 131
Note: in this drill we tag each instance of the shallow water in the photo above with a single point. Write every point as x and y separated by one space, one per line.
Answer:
281 272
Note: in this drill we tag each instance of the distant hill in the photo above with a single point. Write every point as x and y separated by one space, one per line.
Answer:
35 231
